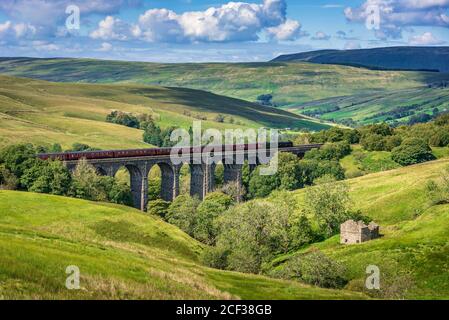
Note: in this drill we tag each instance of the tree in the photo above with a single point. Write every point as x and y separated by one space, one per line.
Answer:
18 158
117 192
158 207
440 138
254 232
330 151
329 202
152 134
412 151
87 184
265 99
206 226
182 213
47 177
317 269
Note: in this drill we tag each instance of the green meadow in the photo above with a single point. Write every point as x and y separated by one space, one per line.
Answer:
291 84
121 253
42 112
413 252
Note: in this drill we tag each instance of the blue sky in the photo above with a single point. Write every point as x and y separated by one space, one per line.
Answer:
214 30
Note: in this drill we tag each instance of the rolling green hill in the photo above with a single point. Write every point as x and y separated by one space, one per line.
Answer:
393 58
414 249
121 253
43 112
290 83
399 105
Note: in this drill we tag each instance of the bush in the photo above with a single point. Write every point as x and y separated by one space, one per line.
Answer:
158 208
79 147
124 119
412 151
440 138
215 257
438 191
8 181
317 269
330 151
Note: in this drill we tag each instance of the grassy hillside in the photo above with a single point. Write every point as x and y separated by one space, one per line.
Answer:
413 254
44 112
290 83
122 254
396 58
387 107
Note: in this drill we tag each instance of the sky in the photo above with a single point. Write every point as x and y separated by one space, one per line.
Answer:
214 30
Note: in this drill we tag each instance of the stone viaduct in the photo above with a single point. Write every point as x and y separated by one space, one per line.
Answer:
202 175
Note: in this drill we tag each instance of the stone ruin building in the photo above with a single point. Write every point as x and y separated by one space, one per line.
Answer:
354 232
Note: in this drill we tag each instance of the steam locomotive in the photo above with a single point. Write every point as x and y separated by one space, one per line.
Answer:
108 154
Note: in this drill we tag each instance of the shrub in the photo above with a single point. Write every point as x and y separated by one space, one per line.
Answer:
412 151
215 257
440 138
8 181
158 208
331 151
124 119
77 147
317 269
438 191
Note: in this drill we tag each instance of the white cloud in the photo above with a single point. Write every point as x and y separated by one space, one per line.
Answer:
290 30
112 29
13 31
320 35
44 46
395 15
48 16
105 47
425 39
234 21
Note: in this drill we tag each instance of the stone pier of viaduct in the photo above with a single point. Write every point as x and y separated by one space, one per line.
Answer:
202 175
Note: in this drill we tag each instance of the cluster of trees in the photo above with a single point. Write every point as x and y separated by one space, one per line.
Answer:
249 236
265 100
407 144
20 169
153 134
294 173
128 119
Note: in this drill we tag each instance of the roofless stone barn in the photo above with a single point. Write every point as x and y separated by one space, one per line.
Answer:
139 163
353 232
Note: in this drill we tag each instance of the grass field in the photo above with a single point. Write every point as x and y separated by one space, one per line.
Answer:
121 253
291 84
413 254
44 112
378 107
